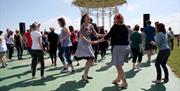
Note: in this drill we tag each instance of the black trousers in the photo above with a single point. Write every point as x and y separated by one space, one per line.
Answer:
102 48
136 54
52 53
155 48
74 48
172 43
37 56
96 50
161 60
10 50
19 52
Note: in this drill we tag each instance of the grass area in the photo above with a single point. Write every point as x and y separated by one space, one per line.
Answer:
174 59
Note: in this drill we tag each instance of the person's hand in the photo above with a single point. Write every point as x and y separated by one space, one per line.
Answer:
104 35
39 25
61 40
94 42
152 42
140 50
48 48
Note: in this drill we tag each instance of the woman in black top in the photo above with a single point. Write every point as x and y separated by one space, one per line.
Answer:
52 45
18 44
103 45
120 48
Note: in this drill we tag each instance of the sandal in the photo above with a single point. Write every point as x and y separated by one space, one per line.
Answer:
85 79
88 77
33 77
42 78
124 86
115 81
156 81
165 80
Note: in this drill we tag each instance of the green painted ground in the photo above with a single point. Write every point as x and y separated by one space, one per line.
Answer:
17 77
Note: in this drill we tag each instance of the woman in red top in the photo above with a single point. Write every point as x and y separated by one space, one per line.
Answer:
28 40
74 40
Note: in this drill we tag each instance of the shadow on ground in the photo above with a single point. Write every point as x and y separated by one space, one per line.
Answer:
16 75
104 68
113 88
131 73
30 82
54 69
155 87
20 74
71 86
20 66
145 64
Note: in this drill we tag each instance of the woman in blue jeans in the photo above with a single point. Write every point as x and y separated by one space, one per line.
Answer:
65 44
164 53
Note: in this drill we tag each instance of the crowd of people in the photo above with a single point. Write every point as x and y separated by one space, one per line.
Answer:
88 43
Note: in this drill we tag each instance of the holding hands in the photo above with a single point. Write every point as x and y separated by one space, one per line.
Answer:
153 42
94 42
99 40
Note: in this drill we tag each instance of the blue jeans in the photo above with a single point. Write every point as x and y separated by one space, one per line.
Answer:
67 52
161 60
30 51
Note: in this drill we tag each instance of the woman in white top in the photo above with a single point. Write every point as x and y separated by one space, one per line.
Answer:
10 43
37 50
3 49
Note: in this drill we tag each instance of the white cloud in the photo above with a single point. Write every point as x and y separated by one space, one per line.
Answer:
133 22
172 20
53 23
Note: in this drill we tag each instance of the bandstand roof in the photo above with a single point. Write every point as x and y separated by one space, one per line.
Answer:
98 3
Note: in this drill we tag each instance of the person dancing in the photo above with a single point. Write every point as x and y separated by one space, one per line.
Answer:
119 42
84 49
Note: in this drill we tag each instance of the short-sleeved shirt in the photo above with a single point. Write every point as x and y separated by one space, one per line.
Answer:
29 40
74 37
150 33
53 38
9 39
135 40
36 40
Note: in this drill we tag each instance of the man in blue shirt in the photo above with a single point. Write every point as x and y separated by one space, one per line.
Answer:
149 40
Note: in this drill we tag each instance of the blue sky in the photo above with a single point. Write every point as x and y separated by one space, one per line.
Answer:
47 11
